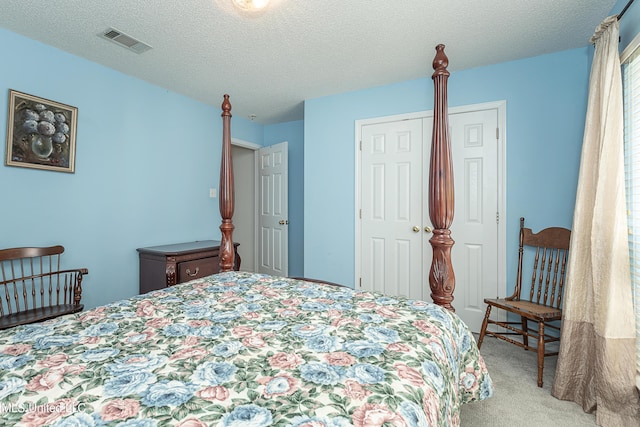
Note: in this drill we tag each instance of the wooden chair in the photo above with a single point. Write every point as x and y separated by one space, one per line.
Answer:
34 288
544 255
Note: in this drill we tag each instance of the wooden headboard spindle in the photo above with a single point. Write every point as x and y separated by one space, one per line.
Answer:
227 194
441 190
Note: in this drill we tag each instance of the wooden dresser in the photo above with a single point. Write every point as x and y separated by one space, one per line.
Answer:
168 265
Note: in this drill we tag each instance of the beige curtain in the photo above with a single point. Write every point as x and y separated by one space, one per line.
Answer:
596 364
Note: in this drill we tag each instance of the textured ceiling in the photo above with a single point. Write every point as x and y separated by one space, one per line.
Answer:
297 49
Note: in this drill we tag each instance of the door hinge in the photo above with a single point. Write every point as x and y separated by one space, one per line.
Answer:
360 284
497 133
497 217
360 213
360 145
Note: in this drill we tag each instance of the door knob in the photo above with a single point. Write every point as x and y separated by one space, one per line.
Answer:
428 229
416 228
283 222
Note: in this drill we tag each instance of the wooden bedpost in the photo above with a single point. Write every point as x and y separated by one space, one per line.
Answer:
441 191
226 191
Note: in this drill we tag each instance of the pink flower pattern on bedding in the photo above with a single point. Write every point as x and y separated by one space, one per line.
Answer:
244 349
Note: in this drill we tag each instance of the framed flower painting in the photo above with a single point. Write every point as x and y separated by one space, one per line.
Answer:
41 134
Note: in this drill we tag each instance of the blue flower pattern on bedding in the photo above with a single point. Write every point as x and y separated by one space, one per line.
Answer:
243 349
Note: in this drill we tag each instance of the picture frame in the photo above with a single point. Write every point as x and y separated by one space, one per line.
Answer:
41 134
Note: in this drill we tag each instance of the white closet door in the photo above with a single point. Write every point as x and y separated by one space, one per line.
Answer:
474 146
392 211
394 163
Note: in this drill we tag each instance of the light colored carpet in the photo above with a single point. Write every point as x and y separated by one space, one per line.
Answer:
517 400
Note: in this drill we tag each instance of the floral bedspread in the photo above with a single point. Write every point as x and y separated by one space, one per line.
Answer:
243 349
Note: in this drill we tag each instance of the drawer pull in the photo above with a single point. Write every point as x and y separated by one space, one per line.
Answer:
194 274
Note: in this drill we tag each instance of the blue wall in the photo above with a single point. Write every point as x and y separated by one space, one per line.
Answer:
145 161
546 105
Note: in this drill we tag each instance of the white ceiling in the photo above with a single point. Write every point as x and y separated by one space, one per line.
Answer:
298 49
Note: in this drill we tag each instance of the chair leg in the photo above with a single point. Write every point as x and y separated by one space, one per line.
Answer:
540 352
525 335
483 329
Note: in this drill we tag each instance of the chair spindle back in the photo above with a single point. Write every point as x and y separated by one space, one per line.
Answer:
32 279
549 250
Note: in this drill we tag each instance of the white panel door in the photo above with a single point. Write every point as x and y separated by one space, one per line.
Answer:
392 208
273 219
393 258
474 255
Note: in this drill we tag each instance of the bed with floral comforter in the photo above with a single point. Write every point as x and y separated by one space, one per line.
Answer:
243 349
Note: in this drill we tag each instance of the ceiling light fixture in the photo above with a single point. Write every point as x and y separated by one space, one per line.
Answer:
251 5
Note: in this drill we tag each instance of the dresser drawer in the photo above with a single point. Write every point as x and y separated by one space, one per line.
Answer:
198 268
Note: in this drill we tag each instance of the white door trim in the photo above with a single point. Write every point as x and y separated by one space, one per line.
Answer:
501 107
245 144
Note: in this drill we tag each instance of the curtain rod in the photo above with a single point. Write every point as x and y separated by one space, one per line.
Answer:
624 9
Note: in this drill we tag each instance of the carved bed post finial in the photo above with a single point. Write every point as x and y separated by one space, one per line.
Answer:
226 191
441 189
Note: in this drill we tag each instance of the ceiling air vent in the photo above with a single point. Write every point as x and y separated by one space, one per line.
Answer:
124 40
